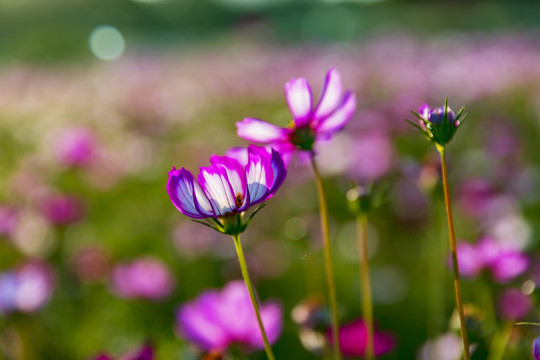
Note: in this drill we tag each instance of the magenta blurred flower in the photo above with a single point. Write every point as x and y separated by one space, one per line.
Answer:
145 278
310 123
353 340
227 187
8 219
514 305
372 157
146 352
26 289
218 319
62 209
75 147
475 197
503 263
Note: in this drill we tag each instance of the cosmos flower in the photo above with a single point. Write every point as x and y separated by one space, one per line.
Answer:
218 319
227 187
513 304
146 278
503 263
310 123
26 289
353 340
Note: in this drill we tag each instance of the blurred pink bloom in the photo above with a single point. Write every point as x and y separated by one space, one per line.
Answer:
146 278
353 340
217 319
502 262
8 219
26 289
75 147
62 209
514 305
475 196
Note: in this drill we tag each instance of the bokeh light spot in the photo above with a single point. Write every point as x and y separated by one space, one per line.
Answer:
106 42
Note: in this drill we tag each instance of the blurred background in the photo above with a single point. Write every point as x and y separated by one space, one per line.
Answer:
99 99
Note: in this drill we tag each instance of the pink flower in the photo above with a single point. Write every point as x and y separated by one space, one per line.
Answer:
503 263
310 123
62 209
75 147
514 305
218 319
146 278
353 340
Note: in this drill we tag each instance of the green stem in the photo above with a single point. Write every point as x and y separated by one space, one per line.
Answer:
327 258
500 341
249 285
365 282
453 247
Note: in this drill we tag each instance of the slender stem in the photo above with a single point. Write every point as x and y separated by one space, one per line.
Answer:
453 247
323 211
249 285
365 282
500 341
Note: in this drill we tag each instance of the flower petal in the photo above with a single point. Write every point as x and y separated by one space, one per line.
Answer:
260 131
337 120
330 96
186 195
235 175
259 173
279 170
216 187
300 100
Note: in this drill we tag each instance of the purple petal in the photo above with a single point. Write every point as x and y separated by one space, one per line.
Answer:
235 312
186 195
514 305
337 120
300 100
235 176
259 173
536 349
280 172
197 322
260 131
469 260
331 94
508 266
424 111
218 190
272 322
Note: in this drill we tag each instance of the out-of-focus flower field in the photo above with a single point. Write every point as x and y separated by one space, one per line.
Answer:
94 257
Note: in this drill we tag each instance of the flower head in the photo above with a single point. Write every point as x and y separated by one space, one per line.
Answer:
353 340
440 124
536 349
146 278
218 319
227 188
310 123
503 263
26 289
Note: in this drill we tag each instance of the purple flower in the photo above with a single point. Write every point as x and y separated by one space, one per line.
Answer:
218 319
8 220
62 209
26 289
503 263
440 124
310 123
75 147
514 305
146 278
227 187
536 349
353 340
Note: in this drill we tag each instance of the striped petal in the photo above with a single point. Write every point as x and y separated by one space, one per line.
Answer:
235 175
187 196
331 95
259 174
260 131
218 190
300 100
339 118
279 171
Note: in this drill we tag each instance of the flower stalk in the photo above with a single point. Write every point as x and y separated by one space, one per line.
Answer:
323 212
249 285
453 247
365 282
